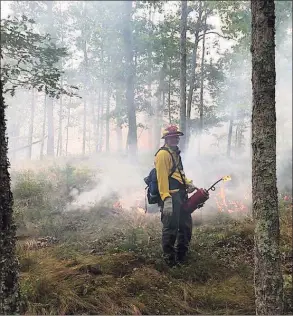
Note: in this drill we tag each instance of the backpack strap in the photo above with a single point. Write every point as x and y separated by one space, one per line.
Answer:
177 166
182 178
174 167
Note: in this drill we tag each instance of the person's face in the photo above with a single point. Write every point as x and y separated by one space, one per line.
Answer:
172 141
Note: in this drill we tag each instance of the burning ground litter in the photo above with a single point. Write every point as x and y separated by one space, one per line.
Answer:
72 261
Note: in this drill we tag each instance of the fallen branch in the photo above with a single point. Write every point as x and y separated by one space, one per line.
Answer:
26 146
216 33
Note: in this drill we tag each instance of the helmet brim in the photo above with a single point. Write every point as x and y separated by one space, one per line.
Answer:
173 134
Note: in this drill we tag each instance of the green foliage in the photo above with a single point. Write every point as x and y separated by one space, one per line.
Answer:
103 258
41 197
29 59
218 278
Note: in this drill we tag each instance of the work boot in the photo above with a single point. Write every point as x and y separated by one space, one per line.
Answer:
181 259
170 260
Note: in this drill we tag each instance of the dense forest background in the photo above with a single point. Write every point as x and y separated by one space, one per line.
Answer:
96 34
89 85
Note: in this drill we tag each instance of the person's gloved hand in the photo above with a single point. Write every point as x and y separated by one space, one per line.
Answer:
168 206
190 187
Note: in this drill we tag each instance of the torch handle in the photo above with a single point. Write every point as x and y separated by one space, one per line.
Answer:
212 187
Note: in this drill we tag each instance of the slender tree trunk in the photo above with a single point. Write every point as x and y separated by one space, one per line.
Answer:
9 267
31 128
192 78
50 115
150 68
50 104
250 153
193 73
201 87
60 134
268 276
158 119
101 125
230 136
43 128
240 137
108 120
92 128
98 122
163 100
101 104
169 92
59 146
235 140
85 73
183 28
118 119
89 139
67 129
129 54
160 105
84 127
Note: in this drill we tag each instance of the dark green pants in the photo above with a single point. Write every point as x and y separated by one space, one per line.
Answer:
176 227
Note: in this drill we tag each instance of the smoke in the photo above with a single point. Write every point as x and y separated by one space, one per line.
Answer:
115 177
118 177
211 162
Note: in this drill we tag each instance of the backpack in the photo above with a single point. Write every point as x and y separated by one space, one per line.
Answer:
152 189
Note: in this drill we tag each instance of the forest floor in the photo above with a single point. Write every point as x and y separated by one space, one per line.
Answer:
104 261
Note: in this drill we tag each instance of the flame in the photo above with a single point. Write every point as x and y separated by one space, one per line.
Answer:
226 178
140 209
117 205
137 205
231 206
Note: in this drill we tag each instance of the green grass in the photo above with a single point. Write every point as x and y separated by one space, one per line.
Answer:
108 264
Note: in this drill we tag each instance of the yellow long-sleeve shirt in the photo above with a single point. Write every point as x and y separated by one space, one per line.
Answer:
163 165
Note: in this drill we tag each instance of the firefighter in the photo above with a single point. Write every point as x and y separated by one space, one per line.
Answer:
177 225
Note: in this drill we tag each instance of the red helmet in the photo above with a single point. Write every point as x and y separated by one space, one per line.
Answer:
171 130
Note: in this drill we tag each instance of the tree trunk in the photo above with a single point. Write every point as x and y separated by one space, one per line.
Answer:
101 104
169 92
158 120
129 54
50 115
43 128
60 147
193 68
236 139
150 68
84 128
31 128
85 73
9 267
201 86
230 137
108 120
268 276
101 125
160 105
67 128
50 104
183 28
118 119
191 89
60 134
98 122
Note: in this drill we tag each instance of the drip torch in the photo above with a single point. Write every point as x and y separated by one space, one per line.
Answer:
198 199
